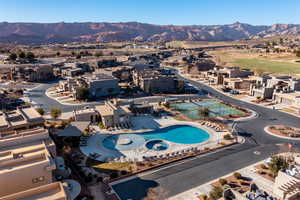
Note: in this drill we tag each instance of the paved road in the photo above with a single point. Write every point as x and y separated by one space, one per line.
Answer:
38 96
199 170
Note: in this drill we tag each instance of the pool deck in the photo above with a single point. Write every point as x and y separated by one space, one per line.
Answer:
143 124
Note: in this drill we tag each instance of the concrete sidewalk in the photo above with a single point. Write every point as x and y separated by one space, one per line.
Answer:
249 171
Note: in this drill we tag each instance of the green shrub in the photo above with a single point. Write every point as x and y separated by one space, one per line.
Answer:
55 112
101 125
40 111
277 163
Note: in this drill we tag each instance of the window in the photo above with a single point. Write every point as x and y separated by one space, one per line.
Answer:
38 179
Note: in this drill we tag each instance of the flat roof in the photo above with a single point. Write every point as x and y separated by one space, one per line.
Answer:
23 157
53 191
3 122
88 110
291 95
31 113
6 135
74 129
104 111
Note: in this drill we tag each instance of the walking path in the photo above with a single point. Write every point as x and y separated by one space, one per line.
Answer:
142 125
248 171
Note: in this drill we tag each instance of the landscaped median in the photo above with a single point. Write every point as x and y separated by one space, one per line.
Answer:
282 131
63 97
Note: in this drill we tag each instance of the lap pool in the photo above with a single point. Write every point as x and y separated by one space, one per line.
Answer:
181 134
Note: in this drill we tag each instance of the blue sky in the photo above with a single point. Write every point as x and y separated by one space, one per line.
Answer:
179 12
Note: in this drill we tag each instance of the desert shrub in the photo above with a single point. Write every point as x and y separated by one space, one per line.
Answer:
216 193
261 172
55 112
237 175
203 197
227 136
222 181
263 166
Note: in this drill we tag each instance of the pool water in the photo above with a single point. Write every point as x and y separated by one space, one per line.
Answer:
217 109
181 134
157 145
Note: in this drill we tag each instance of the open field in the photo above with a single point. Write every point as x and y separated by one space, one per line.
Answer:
283 63
199 44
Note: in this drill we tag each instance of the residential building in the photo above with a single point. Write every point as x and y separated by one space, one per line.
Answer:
291 98
71 72
153 81
28 167
101 85
22 117
113 114
53 191
107 62
260 89
123 73
98 85
236 72
75 69
27 137
218 74
141 108
68 85
24 167
286 186
199 66
88 114
274 87
33 73
238 83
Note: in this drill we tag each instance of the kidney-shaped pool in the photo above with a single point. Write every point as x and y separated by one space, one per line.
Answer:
181 134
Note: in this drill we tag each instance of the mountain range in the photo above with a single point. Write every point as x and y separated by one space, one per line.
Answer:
133 31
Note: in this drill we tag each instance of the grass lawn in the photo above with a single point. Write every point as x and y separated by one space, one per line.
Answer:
268 66
271 63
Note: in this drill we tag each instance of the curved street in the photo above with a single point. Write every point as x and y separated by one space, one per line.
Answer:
38 96
190 173
185 175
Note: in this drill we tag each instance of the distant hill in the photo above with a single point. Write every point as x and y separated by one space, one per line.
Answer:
134 31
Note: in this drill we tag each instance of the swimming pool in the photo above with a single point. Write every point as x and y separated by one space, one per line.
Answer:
181 134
